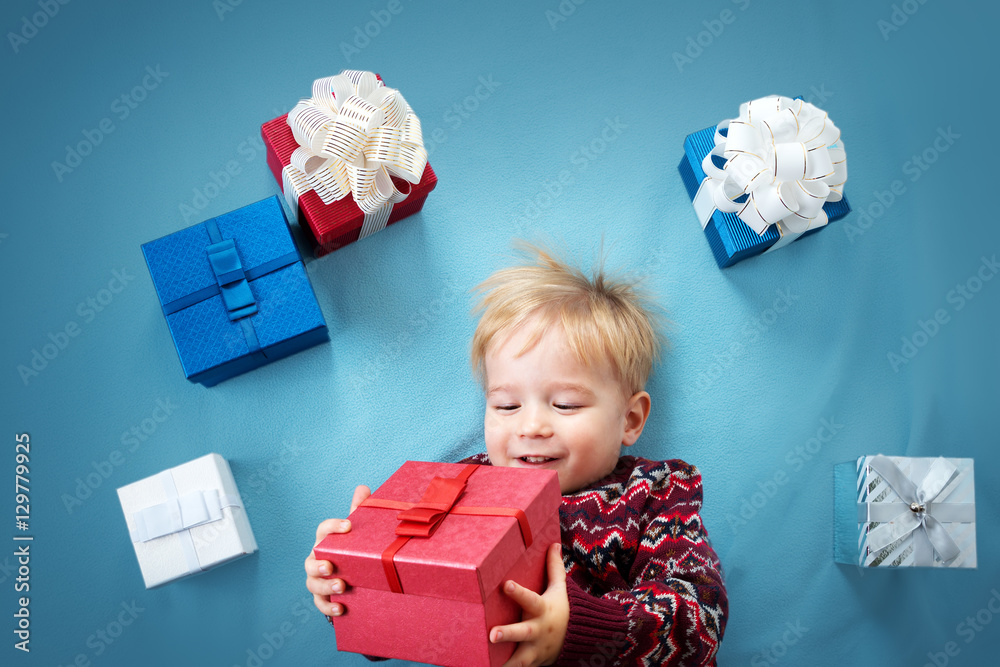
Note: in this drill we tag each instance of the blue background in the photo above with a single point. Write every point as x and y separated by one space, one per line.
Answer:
394 382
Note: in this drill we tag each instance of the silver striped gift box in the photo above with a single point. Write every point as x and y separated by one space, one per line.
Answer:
900 511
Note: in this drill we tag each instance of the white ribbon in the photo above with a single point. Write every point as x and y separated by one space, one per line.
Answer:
353 134
785 156
178 514
916 509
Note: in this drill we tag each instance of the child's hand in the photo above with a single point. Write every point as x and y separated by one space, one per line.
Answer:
318 570
540 635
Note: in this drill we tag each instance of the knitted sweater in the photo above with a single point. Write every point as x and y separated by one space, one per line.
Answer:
645 586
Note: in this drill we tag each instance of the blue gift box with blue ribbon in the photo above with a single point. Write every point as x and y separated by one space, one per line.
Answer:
730 238
234 292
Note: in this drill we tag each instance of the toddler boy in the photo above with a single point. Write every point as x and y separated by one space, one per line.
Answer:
564 360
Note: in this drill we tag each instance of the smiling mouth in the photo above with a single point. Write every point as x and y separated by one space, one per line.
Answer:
535 459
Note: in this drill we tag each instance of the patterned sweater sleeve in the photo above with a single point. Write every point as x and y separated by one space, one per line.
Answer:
645 586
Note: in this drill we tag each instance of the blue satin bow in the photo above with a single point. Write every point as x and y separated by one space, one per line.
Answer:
232 283
232 279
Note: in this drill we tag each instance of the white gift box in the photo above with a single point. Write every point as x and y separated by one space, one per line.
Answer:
186 520
901 511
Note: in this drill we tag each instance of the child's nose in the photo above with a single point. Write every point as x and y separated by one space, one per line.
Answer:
534 423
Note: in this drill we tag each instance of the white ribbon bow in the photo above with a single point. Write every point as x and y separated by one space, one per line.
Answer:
785 157
353 133
916 509
177 514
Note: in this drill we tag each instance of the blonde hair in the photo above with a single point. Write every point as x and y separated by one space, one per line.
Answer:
602 316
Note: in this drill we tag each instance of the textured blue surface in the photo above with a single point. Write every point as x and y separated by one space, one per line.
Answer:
210 345
575 138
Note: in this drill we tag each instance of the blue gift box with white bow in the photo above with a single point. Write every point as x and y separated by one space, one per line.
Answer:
234 292
777 170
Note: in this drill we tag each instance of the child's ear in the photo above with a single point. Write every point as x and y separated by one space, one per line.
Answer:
636 413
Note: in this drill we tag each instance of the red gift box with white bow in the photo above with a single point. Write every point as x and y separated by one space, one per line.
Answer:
350 160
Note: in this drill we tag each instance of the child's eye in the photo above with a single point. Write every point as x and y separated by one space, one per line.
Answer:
505 407
565 406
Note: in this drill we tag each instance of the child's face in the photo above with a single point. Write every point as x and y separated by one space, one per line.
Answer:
546 409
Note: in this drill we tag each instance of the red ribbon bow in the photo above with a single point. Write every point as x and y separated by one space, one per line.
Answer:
422 518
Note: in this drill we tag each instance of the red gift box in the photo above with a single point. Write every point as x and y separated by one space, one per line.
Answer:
339 223
435 598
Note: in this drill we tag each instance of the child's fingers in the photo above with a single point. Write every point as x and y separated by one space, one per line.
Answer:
326 607
516 632
530 601
360 494
524 656
318 568
331 526
557 572
326 587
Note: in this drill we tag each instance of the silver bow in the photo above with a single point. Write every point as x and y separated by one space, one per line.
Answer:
916 510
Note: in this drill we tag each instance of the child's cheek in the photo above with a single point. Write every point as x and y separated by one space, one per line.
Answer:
494 441
492 420
491 427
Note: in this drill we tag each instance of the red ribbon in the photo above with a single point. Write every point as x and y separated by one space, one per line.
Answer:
422 518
